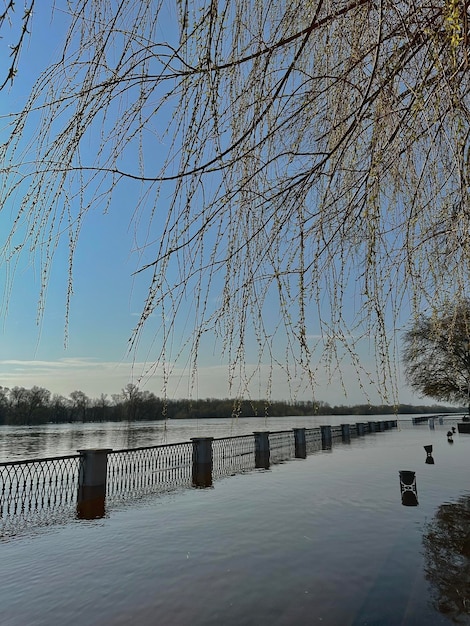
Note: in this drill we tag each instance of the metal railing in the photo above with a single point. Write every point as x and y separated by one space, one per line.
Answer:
41 484
45 491
233 455
37 492
281 446
136 472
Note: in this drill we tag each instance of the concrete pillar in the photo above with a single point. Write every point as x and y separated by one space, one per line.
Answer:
345 432
300 443
262 450
325 437
359 428
93 467
202 461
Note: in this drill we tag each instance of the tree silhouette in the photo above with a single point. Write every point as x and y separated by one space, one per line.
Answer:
437 354
314 155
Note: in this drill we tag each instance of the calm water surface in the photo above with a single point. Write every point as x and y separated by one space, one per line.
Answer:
322 540
28 442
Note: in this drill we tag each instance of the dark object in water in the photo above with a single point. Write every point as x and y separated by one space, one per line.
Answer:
429 457
409 493
463 427
409 498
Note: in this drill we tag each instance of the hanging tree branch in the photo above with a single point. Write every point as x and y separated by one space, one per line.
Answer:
20 28
318 152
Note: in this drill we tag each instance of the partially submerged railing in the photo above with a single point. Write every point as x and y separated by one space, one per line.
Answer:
138 471
441 418
44 491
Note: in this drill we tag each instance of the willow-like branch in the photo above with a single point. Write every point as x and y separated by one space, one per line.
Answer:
316 153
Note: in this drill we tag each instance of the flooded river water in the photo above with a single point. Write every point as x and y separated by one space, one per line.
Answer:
322 540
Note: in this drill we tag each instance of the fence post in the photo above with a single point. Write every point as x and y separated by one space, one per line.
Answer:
345 432
202 461
300 443
262 450
326 437
360 428
92 473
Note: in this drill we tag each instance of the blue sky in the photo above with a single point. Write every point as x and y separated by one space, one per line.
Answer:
107 300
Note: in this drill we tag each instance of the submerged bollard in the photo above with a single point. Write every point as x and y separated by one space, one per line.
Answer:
345 432
429 457
325 437
372 427
262 449
409 492
300 443
92 475
202 461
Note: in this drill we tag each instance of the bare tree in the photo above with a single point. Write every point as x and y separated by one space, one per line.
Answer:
132 398
437 354
316 152
80 403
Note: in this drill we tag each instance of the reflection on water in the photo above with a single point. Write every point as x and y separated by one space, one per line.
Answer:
316 540
25 442
447 558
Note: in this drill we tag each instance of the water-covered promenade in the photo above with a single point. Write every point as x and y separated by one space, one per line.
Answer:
87 484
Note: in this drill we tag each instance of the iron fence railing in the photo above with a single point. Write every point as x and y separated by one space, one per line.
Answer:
281 445
312 435
43 491
313 441
28 487
138 471
336 431
233 455
37 492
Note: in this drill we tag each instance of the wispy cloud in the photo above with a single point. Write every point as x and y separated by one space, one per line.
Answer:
95 377
64 375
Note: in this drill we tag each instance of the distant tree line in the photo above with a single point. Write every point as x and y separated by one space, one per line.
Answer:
21 406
